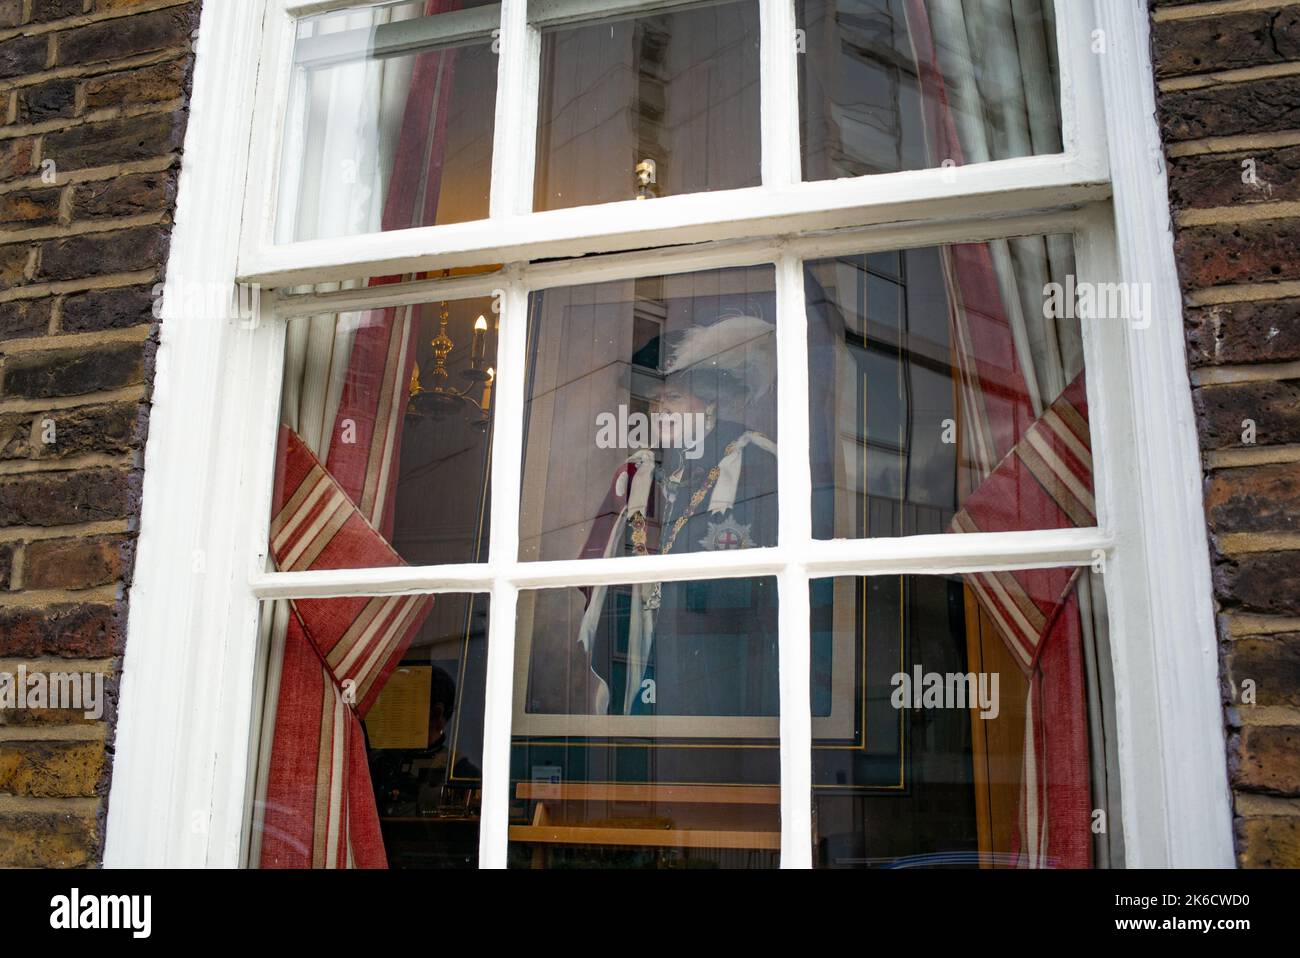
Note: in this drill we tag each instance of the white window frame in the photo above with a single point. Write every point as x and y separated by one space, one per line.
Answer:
184 759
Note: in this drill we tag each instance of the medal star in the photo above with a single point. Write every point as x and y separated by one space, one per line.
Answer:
727 534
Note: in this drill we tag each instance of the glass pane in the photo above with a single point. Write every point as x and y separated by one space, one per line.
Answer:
889 85
645 730
386 438
657 105
390 119
948 391
369 732
963 722
650 416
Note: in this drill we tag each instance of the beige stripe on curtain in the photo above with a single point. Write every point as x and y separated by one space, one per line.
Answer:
333 127
997 58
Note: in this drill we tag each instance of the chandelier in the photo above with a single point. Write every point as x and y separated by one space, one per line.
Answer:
440 400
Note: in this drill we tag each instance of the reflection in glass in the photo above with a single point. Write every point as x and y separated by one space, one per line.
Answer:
653 106
390 119
963 721
371 757
650 417
889 85
947 391
645 726
386 424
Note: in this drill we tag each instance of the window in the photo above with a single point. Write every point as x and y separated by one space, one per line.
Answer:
710 461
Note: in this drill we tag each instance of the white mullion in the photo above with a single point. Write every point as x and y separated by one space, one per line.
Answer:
681 259
270 109
779 94
554 13
389 580
907 555
288 305
794 670
398 37
503 553
494 815
990 190
949 553
514 138
1079 44
794 497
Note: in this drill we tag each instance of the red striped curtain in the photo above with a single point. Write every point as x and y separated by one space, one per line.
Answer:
320 809
1032 473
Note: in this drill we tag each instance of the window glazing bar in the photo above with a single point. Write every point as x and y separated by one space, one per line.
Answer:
907 555
503 552
794 496
455 28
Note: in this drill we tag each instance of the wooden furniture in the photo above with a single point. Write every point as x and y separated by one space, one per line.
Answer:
653 816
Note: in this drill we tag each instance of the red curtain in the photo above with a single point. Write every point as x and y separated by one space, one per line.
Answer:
320 809
1034 473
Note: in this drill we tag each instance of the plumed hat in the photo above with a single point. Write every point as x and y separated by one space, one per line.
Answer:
736 355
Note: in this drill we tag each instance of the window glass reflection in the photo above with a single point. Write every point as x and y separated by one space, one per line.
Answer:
390 119
963 722
948 391
889 85
650 417
657 105
370 732
645 727
386 426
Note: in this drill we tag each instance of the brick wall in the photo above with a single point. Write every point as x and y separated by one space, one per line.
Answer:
93 100
1228 82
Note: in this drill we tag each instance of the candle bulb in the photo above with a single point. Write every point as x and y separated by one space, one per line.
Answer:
476 346
486 404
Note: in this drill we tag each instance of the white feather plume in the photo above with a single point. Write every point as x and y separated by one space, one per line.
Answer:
741 346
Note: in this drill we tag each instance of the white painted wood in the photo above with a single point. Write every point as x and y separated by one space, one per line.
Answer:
552 13
888 556
503 551
779 91
1133 665
494 811
1083 120
514 138
794 528
679 259
1000 188
182 735
1163 477
453 28
274 78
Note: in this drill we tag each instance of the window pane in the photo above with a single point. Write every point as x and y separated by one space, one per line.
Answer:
384 447
678 90
370 740
948 391
650 417
963 721
889 85
646 727
389 121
